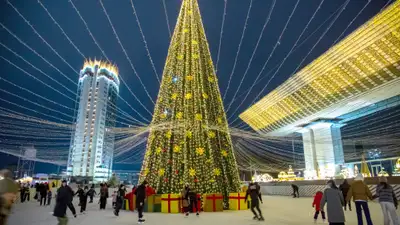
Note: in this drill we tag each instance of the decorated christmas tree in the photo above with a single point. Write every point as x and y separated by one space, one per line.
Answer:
189 140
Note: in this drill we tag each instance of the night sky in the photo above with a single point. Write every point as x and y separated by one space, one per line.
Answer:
153 22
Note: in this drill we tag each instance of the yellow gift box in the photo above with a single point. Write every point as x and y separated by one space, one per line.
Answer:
237 201
171 203
213 203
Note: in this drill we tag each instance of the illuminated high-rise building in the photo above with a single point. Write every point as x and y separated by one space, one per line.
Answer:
92 146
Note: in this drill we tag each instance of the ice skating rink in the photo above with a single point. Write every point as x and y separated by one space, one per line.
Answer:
276 210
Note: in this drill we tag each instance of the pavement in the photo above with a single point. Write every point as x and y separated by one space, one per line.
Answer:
277 210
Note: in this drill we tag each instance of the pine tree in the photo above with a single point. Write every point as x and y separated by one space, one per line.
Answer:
189 140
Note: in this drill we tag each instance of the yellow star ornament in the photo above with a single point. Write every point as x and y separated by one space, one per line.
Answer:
177 149
200 151
192 172
217 172
158 150
211 134
161 172
224 153
189 134
188 96
198 117
179 115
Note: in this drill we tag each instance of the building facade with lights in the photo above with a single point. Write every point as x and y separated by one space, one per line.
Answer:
360 72
92 146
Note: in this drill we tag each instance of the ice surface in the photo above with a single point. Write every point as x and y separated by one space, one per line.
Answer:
276 210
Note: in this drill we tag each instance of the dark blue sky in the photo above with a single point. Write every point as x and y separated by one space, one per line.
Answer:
153 22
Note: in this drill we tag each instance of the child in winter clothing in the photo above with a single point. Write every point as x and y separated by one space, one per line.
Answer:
49 196
316 204
114 199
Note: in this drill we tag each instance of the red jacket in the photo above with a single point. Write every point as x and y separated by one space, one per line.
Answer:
317 200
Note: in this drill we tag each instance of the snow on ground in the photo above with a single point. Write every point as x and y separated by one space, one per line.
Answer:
277 210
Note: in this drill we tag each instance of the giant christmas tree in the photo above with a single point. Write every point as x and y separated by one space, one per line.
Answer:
189 140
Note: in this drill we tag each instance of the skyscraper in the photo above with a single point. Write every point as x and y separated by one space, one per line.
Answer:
92 146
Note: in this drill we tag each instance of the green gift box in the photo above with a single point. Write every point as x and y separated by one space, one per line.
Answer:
153 203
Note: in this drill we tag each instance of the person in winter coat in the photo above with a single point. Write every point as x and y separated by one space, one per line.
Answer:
344 188
388 202
83 196
140 193
49 197
119 199
185 199
91 193
316 204
193 201
103 195
255 195
334 200
360 193
295 191
43 194
64 201
8 195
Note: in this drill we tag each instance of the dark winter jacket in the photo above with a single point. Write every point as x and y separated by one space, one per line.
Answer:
344 188
121 194
104 192
64 200
91 192
140 193
254 192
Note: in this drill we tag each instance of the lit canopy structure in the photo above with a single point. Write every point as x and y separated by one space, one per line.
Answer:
361 70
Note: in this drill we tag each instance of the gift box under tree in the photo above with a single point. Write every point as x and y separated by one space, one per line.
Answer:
153 203
171 203
237 201
213 203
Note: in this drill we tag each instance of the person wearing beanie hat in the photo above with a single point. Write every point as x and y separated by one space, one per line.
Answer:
388 201
360 193
8 194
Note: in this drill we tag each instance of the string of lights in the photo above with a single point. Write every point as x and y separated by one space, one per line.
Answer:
62 30
284 59
166 17
32 110
125 53
32 50
278 42
144 41
258 80
40 36
221 35
252 55
238 49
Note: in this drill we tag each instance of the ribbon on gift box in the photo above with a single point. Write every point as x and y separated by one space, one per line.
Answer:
169 199
214 197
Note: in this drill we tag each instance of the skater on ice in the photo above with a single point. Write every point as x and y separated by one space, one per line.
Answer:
140 193
119 199
255 195
333 198
64 201
316 204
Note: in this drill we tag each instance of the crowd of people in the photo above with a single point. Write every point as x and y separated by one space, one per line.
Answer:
338 198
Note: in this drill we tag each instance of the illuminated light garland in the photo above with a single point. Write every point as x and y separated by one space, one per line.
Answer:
221 35
166 17
252 55
40 72
62 30
258 80
124 51
278 42
346 68
144 41
40 36
238 49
